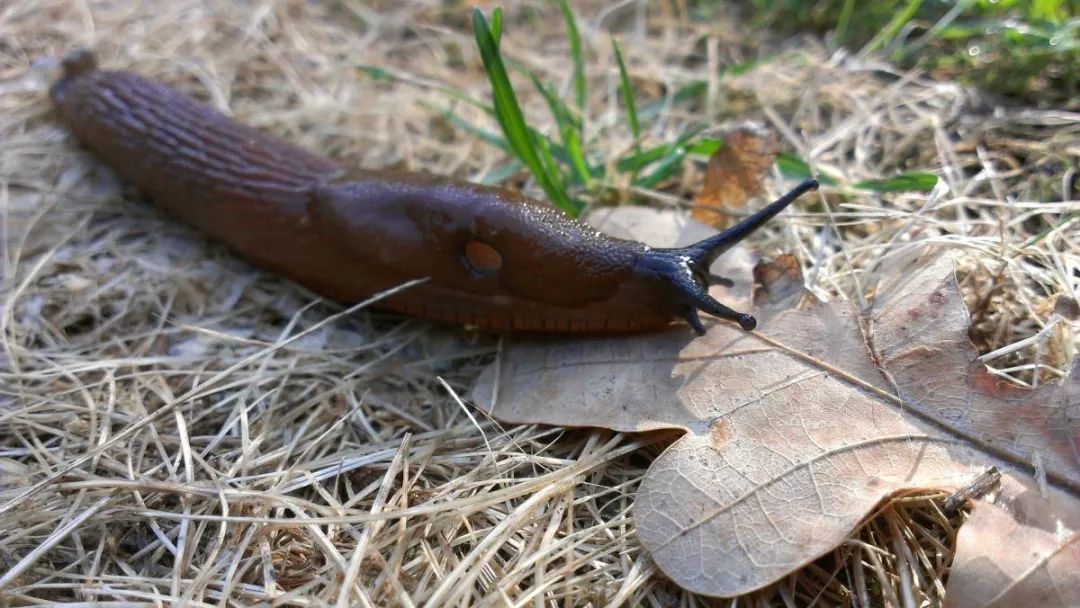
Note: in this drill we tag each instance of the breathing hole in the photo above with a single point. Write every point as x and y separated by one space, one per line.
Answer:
482 257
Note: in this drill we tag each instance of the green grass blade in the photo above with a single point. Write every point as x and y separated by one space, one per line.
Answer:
577 156
706 146
496 25
905 182
843 20
502 173
376 73
557 151
796 168
628 96
893 27
560 153
640 160
507 110
670 163
564 117
460 123
382 74
510 117
684 95
575 53
691 91
551 168
1068 217
668 166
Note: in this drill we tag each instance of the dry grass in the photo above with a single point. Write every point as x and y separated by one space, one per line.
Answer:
177 426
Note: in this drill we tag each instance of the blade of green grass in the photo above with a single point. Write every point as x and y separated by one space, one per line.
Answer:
550 166
684 94
482 134
511 118
563 116
692 90
843 20
668 166
376 73
569 127
559 152
574 38
548 157
577 156
628 96
563 154
636 162
500 174
893 27
496 25
669 163
905 182
706 146
695 89
1068 217
794 167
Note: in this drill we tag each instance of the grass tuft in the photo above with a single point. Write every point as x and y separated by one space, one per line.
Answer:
1024 51
521 137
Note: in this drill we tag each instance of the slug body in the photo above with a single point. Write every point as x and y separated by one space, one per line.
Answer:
493 258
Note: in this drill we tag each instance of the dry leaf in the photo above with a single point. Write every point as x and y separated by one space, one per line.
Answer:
735 173
796 432
779 284
1002 560
1067 307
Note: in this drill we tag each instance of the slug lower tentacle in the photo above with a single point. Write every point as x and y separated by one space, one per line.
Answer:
494 258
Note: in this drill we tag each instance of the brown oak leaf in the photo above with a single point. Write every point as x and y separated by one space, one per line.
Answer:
735 173
795 432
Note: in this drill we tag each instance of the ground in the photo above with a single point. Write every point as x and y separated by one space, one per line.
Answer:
175 424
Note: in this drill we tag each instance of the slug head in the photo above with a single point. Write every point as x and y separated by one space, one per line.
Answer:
686 269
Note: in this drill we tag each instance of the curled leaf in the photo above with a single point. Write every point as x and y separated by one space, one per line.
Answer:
735 173
1012 557
778 283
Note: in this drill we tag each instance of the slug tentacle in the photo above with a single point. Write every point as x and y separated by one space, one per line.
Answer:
687 268
706 251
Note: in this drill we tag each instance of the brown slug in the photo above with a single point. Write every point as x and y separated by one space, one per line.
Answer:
494 258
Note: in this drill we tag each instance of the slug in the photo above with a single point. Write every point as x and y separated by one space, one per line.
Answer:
494 259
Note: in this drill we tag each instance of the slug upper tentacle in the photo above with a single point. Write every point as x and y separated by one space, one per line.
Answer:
687 268
494 258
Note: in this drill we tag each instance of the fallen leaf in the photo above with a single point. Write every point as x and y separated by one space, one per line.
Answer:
778 283
794 433
1008 553
735 173
1067 307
